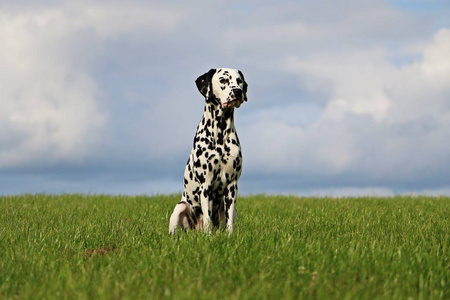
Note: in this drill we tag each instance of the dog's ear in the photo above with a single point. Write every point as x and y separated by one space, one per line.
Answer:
204 83
245 85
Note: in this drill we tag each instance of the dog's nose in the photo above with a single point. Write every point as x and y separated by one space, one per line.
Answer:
237 93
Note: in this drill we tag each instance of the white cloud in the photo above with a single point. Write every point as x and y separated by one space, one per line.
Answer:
382 120
357 81
52 107
49 109
116 18
356 89
278 33
436 62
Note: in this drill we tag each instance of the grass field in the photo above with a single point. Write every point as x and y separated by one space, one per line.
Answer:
109 247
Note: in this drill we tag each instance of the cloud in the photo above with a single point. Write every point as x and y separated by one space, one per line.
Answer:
381 120
49 109
53 110
118 18
342 96
357 81
279 33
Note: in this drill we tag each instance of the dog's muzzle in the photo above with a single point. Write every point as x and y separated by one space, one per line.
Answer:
236 99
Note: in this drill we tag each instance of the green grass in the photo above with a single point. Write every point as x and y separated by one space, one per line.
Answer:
108 247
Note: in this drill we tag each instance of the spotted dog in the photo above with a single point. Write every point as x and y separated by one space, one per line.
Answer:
215 162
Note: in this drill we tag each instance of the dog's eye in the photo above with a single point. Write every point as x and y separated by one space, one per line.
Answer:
223 81
239 81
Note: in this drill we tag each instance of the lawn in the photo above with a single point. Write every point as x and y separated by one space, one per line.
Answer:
109 247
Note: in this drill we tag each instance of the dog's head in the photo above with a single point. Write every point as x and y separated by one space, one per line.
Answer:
225 86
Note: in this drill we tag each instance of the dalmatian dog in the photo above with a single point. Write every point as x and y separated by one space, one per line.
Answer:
215 163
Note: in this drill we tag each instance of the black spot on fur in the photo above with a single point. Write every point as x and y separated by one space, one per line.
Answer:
197 163
201 178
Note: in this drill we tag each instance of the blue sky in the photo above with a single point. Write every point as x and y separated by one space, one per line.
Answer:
345 97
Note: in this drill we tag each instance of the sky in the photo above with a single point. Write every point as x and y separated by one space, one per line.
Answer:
345 98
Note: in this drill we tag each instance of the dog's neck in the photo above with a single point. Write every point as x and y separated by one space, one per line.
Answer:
217 123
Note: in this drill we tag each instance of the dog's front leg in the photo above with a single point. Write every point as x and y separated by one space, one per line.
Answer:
206 204
179 217
230 206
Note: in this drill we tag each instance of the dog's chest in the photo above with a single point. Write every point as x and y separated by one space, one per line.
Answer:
230 161
216 159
